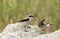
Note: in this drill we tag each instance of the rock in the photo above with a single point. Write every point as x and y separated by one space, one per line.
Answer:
54 35
17 31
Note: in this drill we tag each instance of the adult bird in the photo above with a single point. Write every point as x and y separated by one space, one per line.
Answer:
28 18
25 21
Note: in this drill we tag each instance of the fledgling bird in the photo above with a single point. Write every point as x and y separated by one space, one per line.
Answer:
41 23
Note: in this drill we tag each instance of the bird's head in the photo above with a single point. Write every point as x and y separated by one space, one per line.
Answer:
30 17
48 24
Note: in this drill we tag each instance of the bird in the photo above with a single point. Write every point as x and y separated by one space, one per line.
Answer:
25 22
41 23
43 26
28 18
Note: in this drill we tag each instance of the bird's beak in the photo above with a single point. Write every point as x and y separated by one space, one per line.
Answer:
32 16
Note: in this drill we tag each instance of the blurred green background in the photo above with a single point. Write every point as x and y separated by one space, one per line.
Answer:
12 11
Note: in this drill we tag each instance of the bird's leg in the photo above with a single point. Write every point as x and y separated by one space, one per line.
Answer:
25 28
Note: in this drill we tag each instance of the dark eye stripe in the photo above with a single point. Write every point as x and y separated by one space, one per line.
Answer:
30 16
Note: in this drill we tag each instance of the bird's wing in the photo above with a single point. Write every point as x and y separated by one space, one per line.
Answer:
41 23
24 20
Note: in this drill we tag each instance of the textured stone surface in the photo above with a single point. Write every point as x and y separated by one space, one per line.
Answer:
54 35
17 31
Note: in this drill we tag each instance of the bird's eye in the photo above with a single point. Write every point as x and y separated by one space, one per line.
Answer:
31 16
